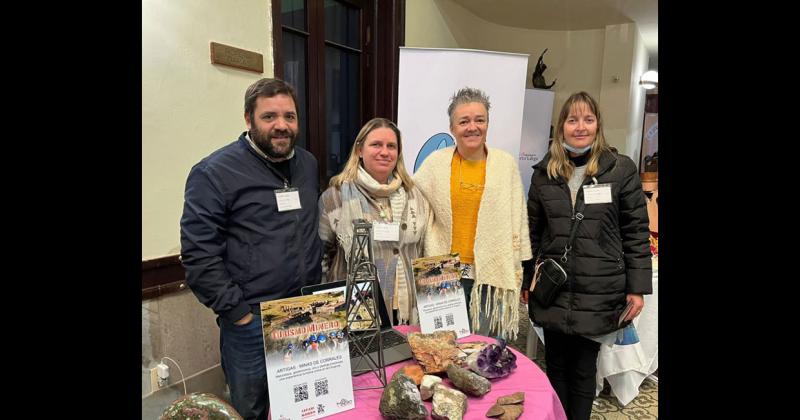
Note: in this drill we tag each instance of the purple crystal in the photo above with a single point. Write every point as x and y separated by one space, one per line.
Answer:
494 361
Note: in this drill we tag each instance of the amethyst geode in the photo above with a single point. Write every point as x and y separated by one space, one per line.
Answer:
494 361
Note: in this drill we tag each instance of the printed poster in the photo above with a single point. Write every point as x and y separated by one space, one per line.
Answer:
307 355
440 298
428 77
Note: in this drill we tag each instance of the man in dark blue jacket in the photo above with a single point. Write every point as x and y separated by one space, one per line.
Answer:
249 233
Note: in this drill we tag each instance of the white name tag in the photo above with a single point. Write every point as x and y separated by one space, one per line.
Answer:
597 194
288 199
386 231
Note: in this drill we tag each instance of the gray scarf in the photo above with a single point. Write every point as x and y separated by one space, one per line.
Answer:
366 198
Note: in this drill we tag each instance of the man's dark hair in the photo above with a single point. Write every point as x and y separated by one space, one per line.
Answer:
266 88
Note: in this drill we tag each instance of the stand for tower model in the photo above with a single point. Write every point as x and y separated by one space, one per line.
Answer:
362 294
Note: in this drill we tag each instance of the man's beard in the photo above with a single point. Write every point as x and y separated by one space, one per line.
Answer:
264 142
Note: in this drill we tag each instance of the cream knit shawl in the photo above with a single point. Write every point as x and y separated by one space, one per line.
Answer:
502 240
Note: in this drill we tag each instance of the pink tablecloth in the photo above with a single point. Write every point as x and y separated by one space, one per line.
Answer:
541 401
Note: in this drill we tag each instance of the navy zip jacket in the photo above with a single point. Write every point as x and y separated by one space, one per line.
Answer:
237 249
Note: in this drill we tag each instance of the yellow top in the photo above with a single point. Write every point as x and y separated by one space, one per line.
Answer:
466 188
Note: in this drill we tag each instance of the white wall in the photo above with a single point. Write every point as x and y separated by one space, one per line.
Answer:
617 94
581 67
425 26
637 97
190 107
586 60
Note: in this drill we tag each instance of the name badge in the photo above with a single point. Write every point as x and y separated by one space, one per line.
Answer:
597 194
386 231
288 199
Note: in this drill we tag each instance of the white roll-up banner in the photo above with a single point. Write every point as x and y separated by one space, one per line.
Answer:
535 131
429 77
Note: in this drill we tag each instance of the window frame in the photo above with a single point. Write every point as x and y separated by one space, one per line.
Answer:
382 33
386 29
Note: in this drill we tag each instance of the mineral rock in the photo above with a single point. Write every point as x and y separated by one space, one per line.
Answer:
493 361
495 411
468 382
448 404
200 405
401 400
435 351
511 412
508 407
426 387
515 398
414 372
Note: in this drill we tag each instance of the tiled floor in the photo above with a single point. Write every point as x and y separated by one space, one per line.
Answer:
606 406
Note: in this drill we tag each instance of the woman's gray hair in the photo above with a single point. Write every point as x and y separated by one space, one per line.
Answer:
468 95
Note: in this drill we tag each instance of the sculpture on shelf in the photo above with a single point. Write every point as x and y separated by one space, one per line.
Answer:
538 78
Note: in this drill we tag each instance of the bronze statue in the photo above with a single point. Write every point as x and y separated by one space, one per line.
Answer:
538 79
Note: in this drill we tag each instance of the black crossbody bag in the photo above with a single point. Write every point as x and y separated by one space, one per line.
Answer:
549 276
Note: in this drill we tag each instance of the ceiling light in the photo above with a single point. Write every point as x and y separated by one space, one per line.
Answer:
649 79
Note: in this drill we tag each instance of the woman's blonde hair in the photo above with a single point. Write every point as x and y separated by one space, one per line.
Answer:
350 171
559 164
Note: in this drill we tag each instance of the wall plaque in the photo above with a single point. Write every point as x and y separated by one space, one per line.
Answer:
236 57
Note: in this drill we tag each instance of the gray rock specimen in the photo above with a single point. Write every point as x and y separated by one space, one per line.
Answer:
468 382
426 387
401 400
448 404
200 405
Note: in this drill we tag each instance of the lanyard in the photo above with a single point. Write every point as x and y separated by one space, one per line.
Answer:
286 183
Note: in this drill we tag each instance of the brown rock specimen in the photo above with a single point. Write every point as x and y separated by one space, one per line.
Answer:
508 407
414 372
495 411
511 412
515 398
434 352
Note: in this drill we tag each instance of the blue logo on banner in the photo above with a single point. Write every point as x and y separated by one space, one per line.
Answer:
436 142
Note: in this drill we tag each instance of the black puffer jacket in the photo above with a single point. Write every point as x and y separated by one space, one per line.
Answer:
610 256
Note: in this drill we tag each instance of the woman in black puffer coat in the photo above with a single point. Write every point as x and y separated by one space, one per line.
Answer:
609 264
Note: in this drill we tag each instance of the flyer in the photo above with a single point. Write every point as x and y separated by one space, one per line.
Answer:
307 356
440 298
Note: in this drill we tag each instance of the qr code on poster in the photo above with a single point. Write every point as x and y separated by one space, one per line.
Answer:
300 392
437 322
449 319
321 387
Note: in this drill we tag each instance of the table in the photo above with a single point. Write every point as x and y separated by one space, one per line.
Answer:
541 401
626 367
